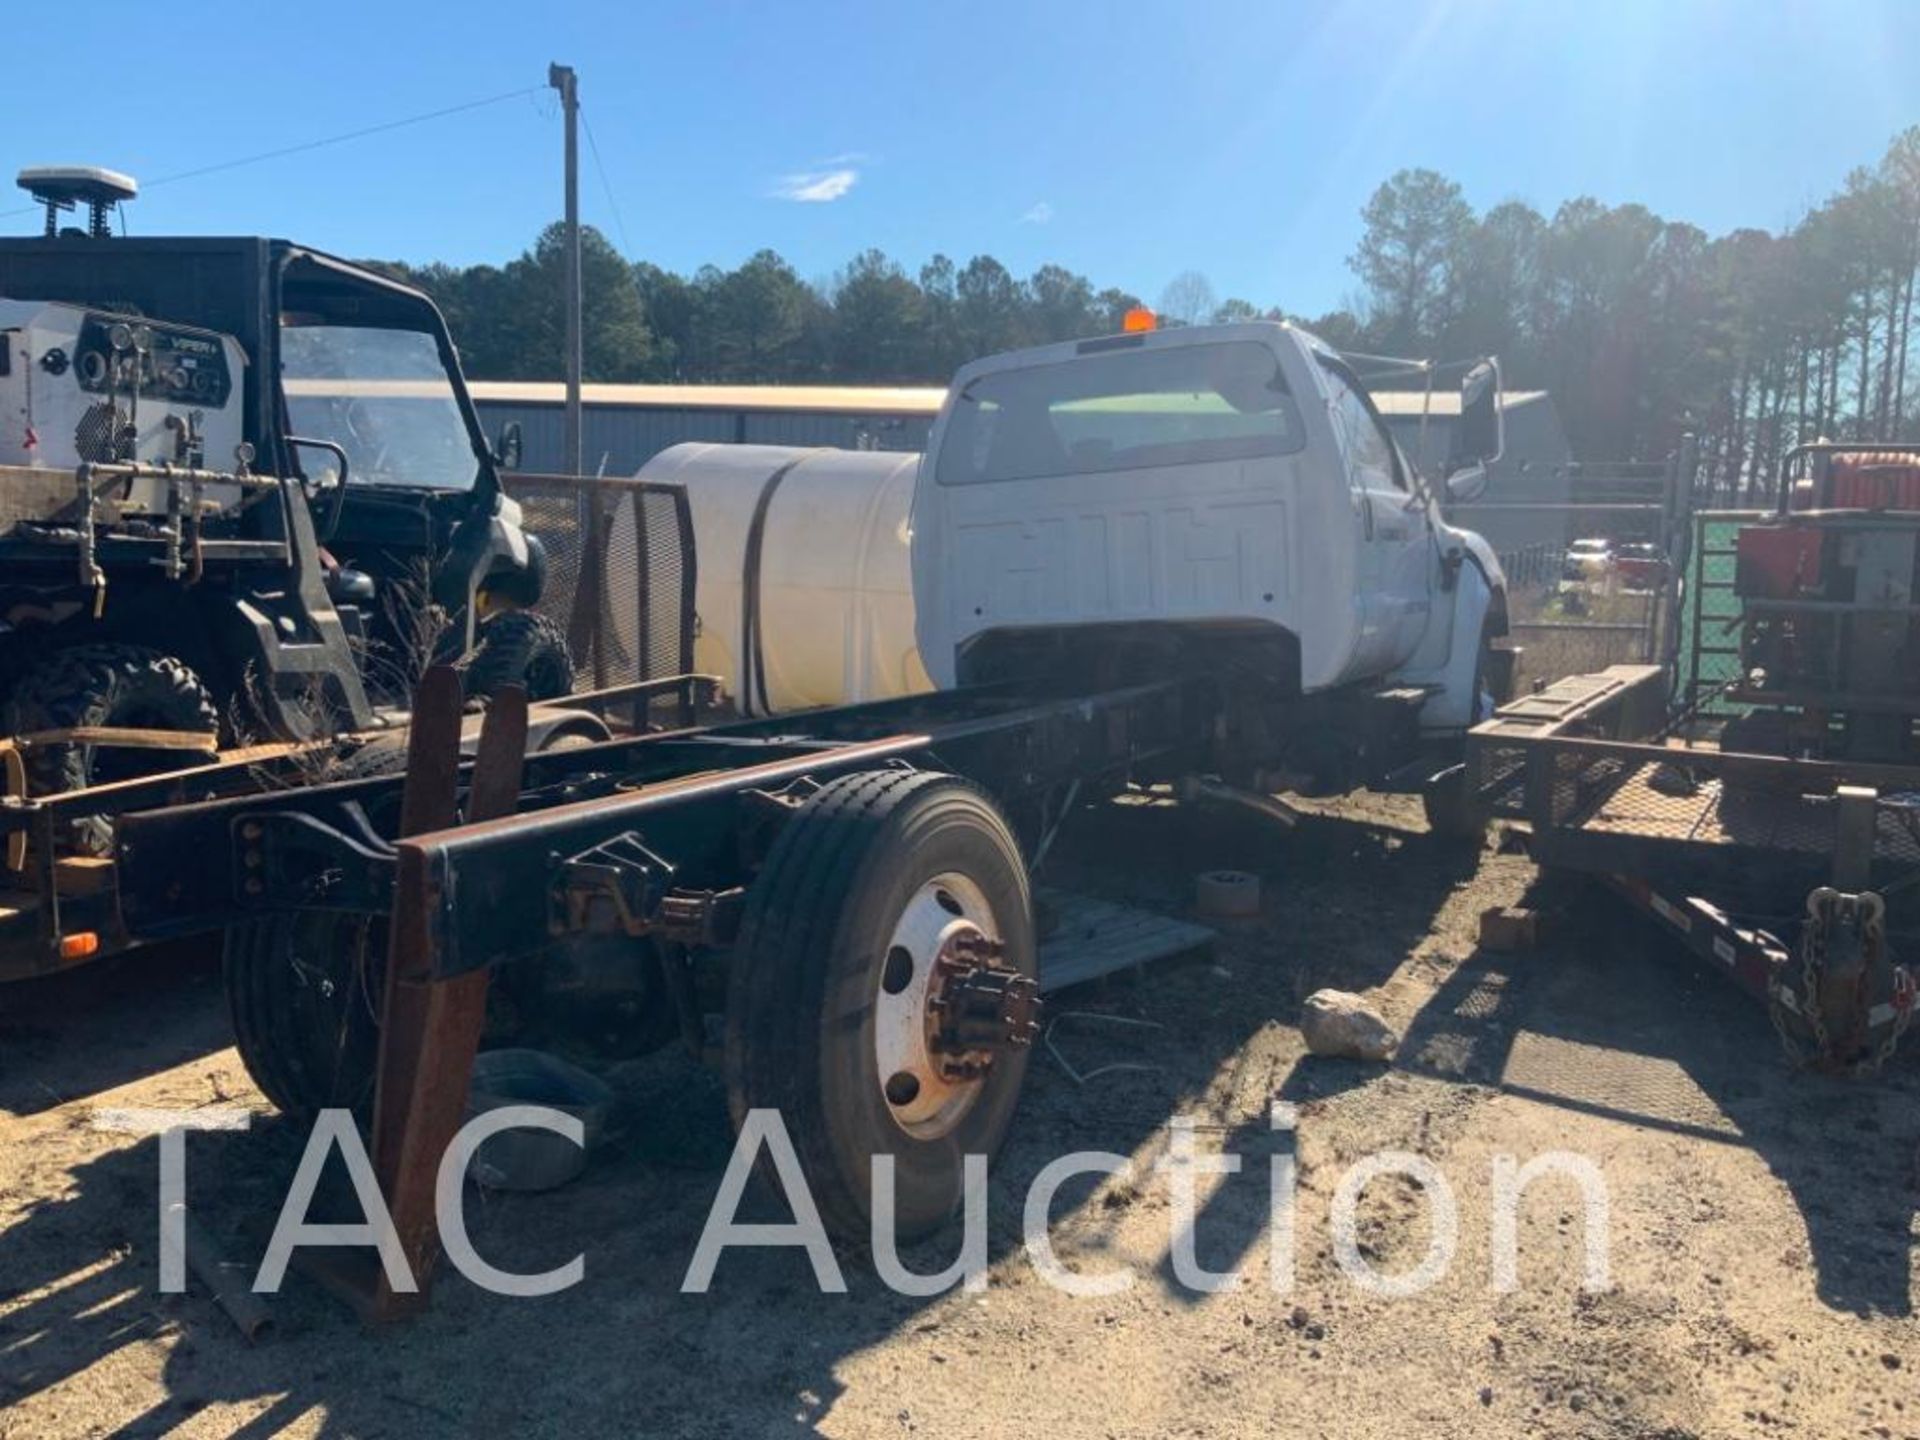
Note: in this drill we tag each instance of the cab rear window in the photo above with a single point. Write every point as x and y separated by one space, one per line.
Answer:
1128 410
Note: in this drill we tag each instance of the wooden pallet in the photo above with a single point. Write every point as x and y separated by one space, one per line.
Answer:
1090 938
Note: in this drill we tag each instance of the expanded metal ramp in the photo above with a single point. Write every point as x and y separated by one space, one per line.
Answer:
621 570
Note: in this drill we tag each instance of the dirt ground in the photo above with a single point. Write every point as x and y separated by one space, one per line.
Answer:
1762 1235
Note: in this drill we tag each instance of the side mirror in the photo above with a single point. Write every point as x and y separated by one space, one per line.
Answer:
1467 485
508 446
1480 438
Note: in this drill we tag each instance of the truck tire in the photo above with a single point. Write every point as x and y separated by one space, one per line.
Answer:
519 647
875 876
1449 809
102 684
304 990
1448 812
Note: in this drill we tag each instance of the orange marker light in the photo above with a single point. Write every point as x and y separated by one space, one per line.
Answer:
1139 318
79 945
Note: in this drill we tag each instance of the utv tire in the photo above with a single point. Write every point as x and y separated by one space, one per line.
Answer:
105 685
822 963
305 990
519 647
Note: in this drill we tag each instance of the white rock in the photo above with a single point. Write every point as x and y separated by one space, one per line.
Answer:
1336 1022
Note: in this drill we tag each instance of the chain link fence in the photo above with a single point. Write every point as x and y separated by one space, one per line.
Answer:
1574 609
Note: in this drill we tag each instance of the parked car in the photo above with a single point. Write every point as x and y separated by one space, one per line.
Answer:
1588 560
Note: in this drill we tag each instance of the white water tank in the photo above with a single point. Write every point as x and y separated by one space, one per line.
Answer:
832 621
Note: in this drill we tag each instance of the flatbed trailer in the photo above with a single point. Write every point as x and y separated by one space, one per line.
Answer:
1787 873
758 846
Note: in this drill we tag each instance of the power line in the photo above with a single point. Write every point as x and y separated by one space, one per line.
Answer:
308 145
619 221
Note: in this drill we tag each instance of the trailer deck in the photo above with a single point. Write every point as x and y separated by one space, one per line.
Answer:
1579 762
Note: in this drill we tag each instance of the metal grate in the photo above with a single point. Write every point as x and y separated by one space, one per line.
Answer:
96 438
1687 800
1497 772
620 572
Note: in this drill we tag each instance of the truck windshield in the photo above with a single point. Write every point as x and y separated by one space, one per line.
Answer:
1124 410
384 397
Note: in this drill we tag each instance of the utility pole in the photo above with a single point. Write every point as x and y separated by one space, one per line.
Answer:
561 78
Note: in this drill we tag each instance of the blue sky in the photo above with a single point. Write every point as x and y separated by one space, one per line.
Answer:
1128 140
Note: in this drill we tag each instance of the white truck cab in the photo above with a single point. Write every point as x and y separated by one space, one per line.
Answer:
1208 480
1222 498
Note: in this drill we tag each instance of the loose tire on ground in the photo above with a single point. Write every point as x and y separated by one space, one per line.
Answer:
519 647
817 945
304 989
105 685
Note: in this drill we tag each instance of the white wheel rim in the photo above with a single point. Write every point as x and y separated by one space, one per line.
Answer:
922 1101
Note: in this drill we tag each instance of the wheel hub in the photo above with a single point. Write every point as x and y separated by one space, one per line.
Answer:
977 1005
946 1005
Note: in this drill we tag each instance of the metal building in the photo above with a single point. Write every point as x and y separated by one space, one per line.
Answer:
624 426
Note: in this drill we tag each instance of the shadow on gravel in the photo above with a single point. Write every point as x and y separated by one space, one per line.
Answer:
73 1035
1610 1018
1345 905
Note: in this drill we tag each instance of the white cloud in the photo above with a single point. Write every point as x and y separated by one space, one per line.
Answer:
816 187
1038 214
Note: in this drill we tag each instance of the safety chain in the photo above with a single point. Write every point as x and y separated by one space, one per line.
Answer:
1902 1000
1823 904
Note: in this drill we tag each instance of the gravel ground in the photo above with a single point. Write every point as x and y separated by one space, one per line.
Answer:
1762 1239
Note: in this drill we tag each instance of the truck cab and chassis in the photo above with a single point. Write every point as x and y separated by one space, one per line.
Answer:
1135 560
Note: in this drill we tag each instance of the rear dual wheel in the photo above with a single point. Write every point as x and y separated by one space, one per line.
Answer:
882 992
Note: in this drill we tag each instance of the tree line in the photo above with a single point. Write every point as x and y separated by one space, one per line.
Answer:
1643 328
870 323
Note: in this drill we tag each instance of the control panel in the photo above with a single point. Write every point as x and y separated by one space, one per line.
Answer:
80 386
